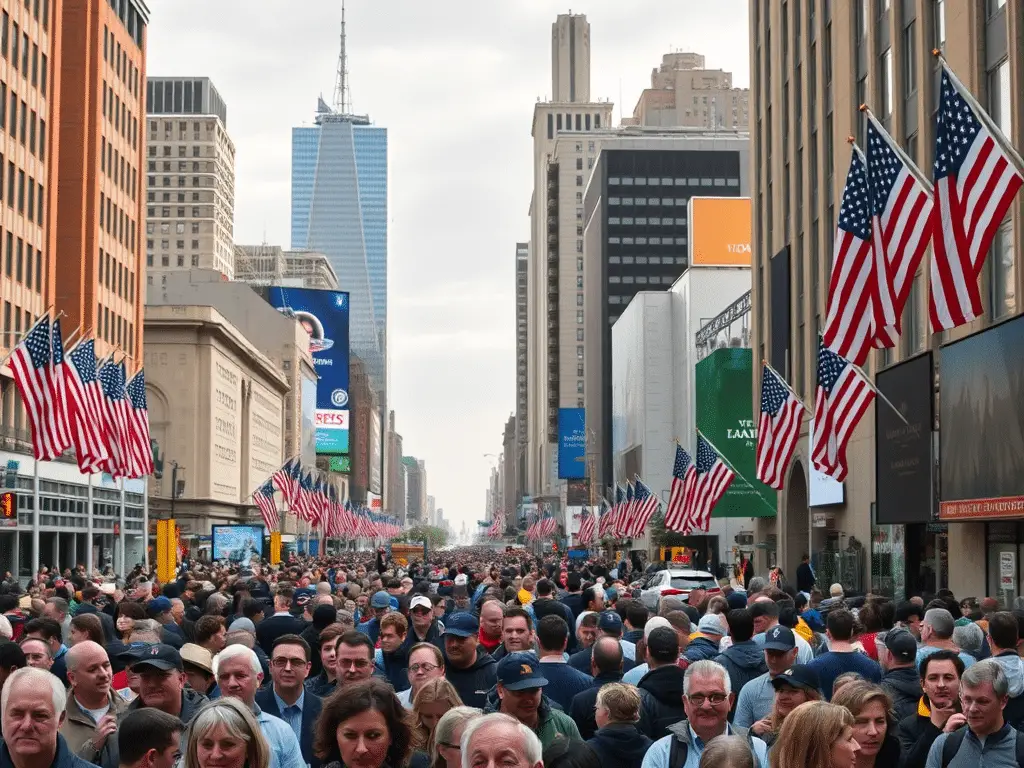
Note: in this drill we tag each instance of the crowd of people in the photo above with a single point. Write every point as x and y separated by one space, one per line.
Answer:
479 659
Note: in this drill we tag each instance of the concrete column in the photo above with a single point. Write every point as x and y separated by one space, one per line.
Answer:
16 554
966 570
56 550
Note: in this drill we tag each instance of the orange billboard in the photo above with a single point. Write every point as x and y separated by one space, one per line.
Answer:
719 231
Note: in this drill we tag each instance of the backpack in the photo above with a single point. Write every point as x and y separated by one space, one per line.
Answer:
953 743
679 749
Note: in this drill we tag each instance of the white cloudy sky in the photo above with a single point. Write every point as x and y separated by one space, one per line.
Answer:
455 82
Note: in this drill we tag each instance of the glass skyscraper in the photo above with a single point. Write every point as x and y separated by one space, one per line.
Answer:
340 208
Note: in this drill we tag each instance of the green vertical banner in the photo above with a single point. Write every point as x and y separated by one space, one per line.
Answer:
725 416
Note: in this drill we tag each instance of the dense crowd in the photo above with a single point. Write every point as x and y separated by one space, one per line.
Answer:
478 659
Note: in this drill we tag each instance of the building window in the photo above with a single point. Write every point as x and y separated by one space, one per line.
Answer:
579 315
999 105
579 299
910 58
579 334
579 387
886 83
579 369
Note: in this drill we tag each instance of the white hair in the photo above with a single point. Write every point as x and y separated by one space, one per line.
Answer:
35 678
706 668
233 651
6 629
529 742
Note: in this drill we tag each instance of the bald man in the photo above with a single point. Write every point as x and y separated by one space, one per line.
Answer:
93 707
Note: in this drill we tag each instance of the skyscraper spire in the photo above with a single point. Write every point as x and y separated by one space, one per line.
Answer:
342 100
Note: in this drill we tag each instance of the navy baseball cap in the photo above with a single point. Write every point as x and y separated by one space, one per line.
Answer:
520 670
158 605
462 625
608 621
798 676
380 600
159 656
779 638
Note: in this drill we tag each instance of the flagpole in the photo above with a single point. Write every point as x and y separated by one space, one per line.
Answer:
983 115
785 383
89 531
736 471
120 541
35 518
878 392
145 522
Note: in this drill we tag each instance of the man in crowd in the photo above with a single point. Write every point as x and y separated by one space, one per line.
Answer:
197 663
323 684
498 739
159 609
842 656
938 711
586 630
566 682
93 708
516 632
897 654
593 599
661 689
609 624
353 658
520 694
281 623
744 659
470 670
765 613
239 675
605 667
547 605
37 652
380 604
635 620
287 697
33 710
56 608
707 700
706 642
573 597
492 619
937 635
424 625
162 682
50 632
392 658
1003 636
211 633
618 742
805 575
909 616
150 738
757 696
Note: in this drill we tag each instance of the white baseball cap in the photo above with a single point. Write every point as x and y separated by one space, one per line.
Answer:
421 601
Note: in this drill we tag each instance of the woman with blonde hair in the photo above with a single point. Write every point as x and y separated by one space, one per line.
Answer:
225 734
429 704
816 735
447 749
874 727
727 752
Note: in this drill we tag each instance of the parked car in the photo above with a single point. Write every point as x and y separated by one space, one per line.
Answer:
676 582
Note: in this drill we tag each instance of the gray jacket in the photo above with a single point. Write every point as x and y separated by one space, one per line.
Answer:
1000 749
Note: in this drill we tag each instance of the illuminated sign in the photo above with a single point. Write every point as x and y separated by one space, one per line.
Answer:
8 509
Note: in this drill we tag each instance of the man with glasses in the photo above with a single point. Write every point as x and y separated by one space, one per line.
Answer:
425 663
353 658
707 699
424 624
288 698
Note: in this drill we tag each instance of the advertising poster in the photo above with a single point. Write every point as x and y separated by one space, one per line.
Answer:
325 316
237 543
724 382
719 231
572 443
308 404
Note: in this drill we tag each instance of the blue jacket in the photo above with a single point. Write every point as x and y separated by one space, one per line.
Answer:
311 707
64 758
370 628
564 682
620 745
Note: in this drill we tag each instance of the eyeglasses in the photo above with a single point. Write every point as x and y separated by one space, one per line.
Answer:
282 663
425 668
357 663
714 699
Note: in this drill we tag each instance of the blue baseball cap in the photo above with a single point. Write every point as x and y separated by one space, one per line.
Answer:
158 605
380 600
609 621
462 625
520 670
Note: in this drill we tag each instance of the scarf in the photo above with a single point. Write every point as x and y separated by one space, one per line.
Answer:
488 644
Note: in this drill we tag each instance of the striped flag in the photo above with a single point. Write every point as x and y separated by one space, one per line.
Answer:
32 366
852 286
713 480
975 182
609 517
901 227
588 527
645 504
142 449
624 518
778 430
264 498
843 395
85 407
60 415
684 475
116 429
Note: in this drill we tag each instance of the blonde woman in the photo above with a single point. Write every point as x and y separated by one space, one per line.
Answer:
816 735
874 727
796 686
225 734
447 751
429 704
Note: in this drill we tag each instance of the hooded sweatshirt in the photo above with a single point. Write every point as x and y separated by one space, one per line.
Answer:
1013 667
661 703
700 647
474 682
620 745
743 661
904 688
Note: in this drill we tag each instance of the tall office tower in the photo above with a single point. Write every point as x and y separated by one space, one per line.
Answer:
555 276
100 213
190 190
809 74
522 302
416 490
340 208
394 486
685 94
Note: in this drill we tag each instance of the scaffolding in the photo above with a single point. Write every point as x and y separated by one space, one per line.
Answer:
272 265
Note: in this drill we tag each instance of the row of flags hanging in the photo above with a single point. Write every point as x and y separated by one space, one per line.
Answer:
73 400
316 501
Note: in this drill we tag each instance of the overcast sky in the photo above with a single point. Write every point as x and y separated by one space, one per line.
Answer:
454 81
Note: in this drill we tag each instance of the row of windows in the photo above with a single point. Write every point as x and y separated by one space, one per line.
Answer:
165 228
666 181
196 181
644 221
118 169
24 56
666 201
196 151
165 261
13 327
166 244
114 329
128 13
646 259
183 167
117 223
116 277
616 240
116 112
117 58
22 191
642 279
22 263
165 197
165 213
26 127
583 122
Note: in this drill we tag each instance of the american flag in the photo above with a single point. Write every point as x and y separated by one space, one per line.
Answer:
286 479
624 517
645 504
684 474
608 518
778 430
713 480
142 449
85 407
852 286
548 524
975 182
60 390
901 226
116 427
588 527
32 366
264 498
843 395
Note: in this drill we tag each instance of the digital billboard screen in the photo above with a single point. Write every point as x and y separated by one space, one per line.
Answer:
325 316
720 231
572 443
237 543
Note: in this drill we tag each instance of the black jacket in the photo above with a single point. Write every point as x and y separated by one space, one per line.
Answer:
904 688
272 627
620 746
320 685
743 661
581 708
191 702
550 607
661 692
64 758
916 733
581 661
473 683
434 637
311 708
804 578
574 602
396 668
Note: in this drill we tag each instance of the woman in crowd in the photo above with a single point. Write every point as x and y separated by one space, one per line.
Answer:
816 735
224 734
429 704
127 614
873 727
87 626
364 728
447 751
728 752
798 686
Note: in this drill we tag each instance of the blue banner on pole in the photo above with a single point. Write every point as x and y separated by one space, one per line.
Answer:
572 443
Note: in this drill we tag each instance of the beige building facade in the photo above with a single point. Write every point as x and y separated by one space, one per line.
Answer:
809 72
684 93
272 265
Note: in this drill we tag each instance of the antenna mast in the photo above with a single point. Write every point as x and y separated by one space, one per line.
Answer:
341 95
